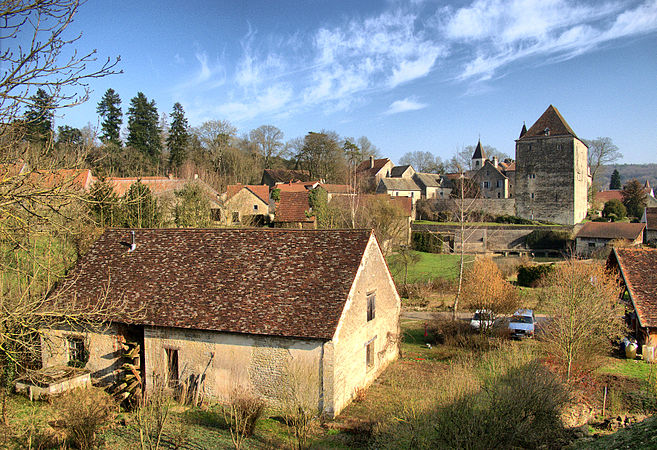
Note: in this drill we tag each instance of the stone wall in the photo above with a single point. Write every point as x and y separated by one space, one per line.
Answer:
551 179
243 203
103 346
492 206
350 369
487 239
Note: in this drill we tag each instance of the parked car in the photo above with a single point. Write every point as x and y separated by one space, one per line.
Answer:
522 324
482 319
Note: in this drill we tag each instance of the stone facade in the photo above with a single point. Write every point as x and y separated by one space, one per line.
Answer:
551 172
329 371
243 206
492 182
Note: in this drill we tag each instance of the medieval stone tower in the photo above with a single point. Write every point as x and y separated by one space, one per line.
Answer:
551 171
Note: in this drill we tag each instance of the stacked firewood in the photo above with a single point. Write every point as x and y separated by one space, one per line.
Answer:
128 387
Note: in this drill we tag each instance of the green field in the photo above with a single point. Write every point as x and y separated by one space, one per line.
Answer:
430 266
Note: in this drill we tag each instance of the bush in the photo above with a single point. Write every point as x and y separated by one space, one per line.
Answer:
548 239
424 241
614 210
513 220
459 333
531 275
245 411
84 413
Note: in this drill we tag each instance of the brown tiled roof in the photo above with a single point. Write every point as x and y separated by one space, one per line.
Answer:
292 207
400 184
637 267
651 218
552 120
508 167
157 185
285 175
605 196
364 167
257 281
75 179
259 190
398 171
612 230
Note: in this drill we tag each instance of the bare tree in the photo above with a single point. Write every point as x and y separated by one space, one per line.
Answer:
582 300
602 151
268 141
423 162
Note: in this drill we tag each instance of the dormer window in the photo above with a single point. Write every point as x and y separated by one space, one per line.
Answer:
546 131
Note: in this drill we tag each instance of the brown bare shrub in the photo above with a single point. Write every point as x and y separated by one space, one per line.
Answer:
84 413
243 411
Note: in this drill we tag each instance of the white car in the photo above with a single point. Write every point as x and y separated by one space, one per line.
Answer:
522 323
482 319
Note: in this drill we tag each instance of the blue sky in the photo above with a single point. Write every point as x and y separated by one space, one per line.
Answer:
419 75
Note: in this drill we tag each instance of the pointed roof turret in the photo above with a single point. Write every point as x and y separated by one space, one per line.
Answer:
479 152
647 185
523 131
551 123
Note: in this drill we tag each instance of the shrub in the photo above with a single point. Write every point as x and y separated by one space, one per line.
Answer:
548 239
531 275
85 412
424 241
614 210
244 410
513 219
459 333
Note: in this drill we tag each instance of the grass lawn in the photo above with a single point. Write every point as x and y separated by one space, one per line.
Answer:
429 266
635 369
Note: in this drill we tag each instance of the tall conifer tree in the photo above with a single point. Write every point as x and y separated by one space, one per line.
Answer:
109 108
178 136
143 128
39 117
615 182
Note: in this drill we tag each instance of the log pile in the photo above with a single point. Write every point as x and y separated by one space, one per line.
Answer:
128 387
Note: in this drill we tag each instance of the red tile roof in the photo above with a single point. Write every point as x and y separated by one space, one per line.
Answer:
157 185
364 167
258 281
605 196
299 186
637 266
73 179
612 230
552 120
292 207
259 190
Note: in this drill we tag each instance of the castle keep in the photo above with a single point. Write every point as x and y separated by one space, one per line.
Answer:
551 179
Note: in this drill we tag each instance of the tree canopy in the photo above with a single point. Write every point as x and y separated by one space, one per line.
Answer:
178 137
615 181
109 108
634 198
143 128
423 162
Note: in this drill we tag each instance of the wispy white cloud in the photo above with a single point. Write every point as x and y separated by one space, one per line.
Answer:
407 104
338 67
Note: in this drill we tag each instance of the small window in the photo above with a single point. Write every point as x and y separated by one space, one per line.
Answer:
76 352
498 195
216 214
532 196
486 184
369 354
591 244
236 217
371 306
499 183
255 207
412 194
172 367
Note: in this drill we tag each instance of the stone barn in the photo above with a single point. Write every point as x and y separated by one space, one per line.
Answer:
224 308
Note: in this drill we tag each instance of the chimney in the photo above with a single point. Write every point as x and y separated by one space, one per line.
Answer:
171 176
371 162
495 162
133 245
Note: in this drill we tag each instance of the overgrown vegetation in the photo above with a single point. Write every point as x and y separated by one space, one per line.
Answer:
548 239
531 275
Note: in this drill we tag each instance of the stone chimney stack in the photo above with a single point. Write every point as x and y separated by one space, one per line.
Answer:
495 162
371 162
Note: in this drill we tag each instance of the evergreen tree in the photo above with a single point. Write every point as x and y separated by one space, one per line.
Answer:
192 208
39 117
143 128
634 198
615 182
140 208
109 108
178 137
67 135
104 204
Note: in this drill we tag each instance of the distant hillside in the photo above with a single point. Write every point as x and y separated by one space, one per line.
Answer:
641 172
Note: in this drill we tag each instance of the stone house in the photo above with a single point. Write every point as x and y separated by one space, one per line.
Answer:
399 187
650 219
433 185
245 204
493 182
636 267
370 172
552 177
271 177
405 171
335 189
225 308
594 236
